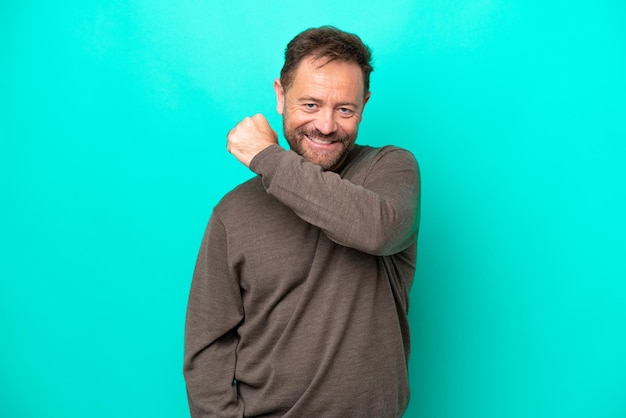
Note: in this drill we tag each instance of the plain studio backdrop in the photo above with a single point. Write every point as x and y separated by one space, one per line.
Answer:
113 122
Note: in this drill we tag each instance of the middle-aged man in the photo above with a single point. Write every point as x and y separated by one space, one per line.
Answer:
298 305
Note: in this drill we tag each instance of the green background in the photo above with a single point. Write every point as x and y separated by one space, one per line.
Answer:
113 118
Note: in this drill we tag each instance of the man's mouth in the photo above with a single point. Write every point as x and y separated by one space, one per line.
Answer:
320 141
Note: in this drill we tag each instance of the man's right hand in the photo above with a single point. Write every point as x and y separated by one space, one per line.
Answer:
249 137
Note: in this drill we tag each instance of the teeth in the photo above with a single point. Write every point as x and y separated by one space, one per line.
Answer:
319 141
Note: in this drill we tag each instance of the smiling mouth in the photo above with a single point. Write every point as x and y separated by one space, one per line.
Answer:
320 141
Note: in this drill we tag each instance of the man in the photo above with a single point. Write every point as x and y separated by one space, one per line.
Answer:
298 306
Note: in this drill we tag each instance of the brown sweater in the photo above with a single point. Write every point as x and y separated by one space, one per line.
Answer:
298 305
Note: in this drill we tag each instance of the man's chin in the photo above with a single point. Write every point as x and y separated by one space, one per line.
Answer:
326 162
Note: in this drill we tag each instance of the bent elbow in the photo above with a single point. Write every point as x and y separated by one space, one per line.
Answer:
385 241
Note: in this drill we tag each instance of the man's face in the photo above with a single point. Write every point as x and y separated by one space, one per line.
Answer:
322 110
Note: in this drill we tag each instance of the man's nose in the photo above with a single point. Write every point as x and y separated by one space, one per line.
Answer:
325 122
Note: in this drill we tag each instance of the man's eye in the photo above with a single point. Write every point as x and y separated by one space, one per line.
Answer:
346 111
310 106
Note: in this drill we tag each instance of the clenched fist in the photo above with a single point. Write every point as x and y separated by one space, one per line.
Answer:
249 137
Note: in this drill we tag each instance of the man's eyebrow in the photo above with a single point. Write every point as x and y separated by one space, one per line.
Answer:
313 99
308 99
344 104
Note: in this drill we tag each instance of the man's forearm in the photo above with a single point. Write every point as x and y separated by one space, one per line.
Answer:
378 217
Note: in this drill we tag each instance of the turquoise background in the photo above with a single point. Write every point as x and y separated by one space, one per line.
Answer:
113 118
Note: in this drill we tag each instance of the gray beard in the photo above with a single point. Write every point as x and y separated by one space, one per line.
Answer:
323 159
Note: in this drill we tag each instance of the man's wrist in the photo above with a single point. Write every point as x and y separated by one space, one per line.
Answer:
267 157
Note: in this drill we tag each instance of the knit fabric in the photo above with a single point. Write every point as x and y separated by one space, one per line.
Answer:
299 300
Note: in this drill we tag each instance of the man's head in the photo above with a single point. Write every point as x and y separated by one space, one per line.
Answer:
327 43
321 93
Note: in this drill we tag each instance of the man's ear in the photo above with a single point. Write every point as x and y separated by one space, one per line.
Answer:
366 98
280 96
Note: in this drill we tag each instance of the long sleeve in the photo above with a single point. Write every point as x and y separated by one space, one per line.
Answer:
213 313
380 216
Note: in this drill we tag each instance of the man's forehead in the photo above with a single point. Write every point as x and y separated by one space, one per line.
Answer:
314 68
